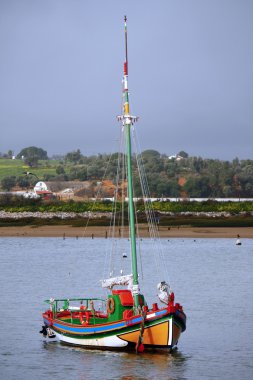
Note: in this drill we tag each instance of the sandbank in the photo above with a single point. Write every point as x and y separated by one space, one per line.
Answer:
96 231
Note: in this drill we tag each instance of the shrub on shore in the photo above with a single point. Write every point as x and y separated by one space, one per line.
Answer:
12 203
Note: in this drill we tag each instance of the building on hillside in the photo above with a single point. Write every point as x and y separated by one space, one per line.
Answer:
176 157
42 191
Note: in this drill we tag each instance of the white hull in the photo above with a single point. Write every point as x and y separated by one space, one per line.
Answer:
112 341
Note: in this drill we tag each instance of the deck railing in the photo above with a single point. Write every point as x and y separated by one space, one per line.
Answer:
76 305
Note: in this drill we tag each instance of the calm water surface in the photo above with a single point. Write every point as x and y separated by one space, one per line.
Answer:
212 279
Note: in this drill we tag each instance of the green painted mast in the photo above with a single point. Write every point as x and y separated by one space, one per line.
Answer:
127 121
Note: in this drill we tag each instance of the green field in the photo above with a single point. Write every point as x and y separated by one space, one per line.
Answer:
17 168
11 168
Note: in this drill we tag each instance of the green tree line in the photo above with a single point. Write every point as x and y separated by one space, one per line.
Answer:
179 176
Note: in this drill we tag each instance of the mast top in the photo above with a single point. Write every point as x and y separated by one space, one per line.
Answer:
126 59
126 117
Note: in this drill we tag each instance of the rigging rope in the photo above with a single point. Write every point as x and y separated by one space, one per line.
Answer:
150 214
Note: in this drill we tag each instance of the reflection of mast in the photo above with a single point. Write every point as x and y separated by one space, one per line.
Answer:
127 122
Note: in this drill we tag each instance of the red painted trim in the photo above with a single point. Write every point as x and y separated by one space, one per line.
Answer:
125 68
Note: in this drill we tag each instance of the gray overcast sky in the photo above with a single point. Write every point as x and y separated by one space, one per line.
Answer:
190 75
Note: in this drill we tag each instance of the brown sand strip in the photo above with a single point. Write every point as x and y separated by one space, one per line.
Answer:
69 231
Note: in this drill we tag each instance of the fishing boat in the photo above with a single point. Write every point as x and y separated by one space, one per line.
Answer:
123 320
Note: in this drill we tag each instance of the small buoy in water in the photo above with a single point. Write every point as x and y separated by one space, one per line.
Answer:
238 241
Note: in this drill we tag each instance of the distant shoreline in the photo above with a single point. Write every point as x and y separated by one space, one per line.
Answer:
65 231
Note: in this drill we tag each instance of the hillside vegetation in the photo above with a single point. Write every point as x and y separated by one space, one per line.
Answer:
180 176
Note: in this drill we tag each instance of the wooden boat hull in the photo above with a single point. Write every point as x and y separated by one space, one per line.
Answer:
157 332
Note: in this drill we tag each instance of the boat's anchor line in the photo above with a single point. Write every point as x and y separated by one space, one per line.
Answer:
139 345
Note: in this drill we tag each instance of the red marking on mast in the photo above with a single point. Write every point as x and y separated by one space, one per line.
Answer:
125 68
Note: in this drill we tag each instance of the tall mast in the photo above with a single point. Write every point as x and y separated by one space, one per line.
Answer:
127 122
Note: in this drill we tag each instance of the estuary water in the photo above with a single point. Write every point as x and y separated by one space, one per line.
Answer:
211 278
